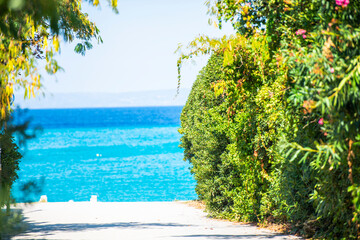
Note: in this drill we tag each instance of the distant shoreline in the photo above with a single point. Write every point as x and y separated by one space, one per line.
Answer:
104 100
121 107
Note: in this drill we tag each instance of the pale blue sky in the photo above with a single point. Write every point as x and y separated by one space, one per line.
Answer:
138 49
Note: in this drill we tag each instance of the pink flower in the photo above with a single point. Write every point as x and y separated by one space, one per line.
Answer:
321 121
332 70
304 36
300 32
342 3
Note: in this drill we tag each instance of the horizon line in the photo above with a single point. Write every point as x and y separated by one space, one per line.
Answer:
73 108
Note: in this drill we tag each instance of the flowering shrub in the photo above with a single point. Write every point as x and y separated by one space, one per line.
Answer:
289 119
226 135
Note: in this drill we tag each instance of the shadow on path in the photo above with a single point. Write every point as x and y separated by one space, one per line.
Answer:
43 227
46 229
242 236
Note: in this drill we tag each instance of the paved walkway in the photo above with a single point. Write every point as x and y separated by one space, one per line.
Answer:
130 221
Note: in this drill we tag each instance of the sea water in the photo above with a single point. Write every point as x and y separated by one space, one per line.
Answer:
117 154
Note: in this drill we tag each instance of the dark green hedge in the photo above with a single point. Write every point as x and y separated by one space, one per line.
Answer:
255 152
10 158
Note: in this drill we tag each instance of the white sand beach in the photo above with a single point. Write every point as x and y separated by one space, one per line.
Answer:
130 221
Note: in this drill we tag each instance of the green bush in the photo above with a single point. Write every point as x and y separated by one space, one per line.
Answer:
10 158
276 136
203 145
231 124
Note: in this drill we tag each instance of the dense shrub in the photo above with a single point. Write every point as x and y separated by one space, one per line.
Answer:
203 145
10 158
280 141
14 126
233 118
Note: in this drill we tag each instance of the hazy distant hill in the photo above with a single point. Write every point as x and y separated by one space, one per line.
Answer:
86 100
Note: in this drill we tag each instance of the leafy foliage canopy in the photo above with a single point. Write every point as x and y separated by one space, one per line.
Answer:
283 142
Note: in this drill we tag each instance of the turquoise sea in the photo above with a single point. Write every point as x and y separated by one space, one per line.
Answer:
118 154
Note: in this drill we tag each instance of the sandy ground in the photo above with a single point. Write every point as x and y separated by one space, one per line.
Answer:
133 220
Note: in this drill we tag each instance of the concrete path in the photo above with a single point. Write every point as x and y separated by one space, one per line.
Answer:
130 221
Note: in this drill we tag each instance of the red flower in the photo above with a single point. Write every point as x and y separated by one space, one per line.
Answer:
301 32
342 3
321 121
